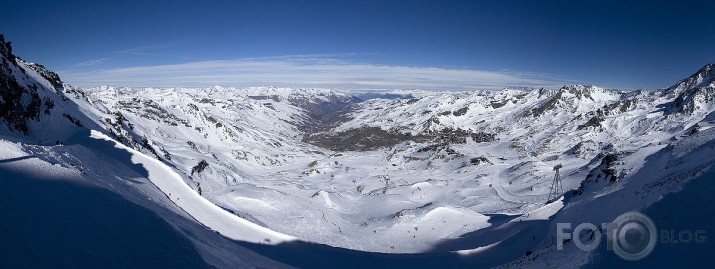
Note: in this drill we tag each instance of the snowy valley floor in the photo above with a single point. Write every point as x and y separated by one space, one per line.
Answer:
69 212
68 219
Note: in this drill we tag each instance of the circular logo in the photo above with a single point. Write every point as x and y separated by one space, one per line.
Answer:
634 236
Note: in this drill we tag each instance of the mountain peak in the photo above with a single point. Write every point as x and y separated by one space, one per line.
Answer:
707 67
703 77
6 49
578 86
706 72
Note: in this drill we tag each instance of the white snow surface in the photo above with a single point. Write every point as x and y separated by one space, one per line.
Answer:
263 184
205 212
261 170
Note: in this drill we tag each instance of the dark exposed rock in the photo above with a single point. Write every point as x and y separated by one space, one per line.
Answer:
74 120
605 172
546 106
50 76
574 93
405 211
579 92
49 105
701 78
695 130
620 106
147 145
275 98
440 151
199 167
17 104
691 92
434 147
12 109
430 122
479 160
149 109
627 104
593 122
481 137
687 102
461 111
498 104
449 135
6 50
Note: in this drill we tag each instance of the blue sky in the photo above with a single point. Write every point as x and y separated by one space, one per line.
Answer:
385 44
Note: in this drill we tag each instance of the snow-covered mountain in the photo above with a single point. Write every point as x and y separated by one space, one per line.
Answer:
453 178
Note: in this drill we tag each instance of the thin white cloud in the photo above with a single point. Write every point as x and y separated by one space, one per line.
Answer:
308 72
145 48
160 55
92 62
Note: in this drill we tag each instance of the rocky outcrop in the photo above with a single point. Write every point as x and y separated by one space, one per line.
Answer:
694 93
18 104
605 173
50 76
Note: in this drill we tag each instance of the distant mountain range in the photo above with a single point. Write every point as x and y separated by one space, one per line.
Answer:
272 177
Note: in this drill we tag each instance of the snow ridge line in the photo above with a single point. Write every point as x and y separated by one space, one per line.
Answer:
204 211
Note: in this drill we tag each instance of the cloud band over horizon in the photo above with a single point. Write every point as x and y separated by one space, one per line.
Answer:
308 73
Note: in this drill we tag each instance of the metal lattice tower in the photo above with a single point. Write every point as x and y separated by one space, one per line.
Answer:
556 189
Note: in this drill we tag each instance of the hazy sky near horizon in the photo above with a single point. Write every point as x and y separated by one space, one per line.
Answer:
441 45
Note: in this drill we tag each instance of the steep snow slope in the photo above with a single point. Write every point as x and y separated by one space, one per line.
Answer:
39 199
170 183
71 200
649 190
